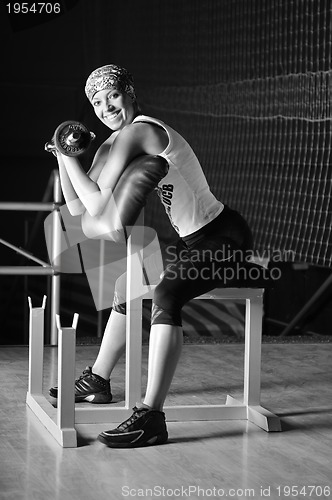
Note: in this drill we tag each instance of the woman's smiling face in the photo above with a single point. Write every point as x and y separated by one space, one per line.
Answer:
114 108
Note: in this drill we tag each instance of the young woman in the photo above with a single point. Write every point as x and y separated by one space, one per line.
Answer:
209 235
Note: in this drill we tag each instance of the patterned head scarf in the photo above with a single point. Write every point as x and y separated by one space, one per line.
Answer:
107 77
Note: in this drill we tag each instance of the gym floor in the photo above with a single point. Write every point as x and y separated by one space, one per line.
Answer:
201 459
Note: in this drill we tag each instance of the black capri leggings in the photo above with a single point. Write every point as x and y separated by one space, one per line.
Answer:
212 257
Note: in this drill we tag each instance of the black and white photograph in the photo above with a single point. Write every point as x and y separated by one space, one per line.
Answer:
166 249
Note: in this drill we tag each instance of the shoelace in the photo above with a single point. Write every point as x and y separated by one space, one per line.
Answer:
136 415
84 373
88 371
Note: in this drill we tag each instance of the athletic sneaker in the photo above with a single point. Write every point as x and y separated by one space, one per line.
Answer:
89 387
145 427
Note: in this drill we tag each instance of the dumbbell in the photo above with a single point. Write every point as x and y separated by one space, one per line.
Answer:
71 138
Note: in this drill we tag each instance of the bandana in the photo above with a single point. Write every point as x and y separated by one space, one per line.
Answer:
107 77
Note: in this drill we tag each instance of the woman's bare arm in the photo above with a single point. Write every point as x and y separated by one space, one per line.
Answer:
74 204
95 190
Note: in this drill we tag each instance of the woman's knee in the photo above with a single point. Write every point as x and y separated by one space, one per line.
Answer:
166 307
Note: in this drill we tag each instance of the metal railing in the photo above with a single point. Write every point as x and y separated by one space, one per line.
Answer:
46 269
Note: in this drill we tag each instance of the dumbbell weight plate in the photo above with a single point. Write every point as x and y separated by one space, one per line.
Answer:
72 138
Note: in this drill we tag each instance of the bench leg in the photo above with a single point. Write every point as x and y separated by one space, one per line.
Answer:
252 368
59 422
252 350
66 383
36 347
133 392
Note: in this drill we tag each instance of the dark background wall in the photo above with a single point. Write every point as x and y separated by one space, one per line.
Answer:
247 83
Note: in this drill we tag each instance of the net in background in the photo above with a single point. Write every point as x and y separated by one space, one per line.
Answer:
257 110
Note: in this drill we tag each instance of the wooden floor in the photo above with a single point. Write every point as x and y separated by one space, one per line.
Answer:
201 460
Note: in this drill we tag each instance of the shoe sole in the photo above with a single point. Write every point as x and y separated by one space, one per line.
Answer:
95 398
154 440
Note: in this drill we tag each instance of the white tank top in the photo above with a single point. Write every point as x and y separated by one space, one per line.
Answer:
184 191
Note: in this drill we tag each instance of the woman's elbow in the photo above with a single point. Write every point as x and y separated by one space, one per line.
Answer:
94 210
75 207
